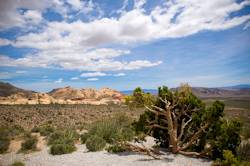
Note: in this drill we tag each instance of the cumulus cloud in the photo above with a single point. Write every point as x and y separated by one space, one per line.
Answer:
92 79
21 71
119 74
81 45
94 74
10 15
95 60
8 75
60 80
4 42
74 78
33 16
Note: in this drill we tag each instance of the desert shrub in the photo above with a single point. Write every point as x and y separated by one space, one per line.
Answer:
246 132
95 143
243 151
84 137
112 130
4 144
57 149
62 142
44 130
8 133
18 163
11 131
63 137
29 143
116 148
229 159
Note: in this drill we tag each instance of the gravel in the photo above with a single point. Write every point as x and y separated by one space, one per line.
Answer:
82 157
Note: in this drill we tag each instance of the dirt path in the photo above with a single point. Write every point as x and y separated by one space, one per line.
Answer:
82 157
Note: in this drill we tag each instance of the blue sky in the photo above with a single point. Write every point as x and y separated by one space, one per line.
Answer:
123 44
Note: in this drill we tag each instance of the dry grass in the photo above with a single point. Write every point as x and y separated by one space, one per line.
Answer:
72 116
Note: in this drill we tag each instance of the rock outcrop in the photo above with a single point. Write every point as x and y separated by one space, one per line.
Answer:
66 95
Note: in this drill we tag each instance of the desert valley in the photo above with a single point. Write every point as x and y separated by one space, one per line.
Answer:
124 83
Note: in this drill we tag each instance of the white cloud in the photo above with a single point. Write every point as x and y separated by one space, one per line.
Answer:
92 79
21 71
82 48
74 78
4 42
10 15
33 16
5 75
60 80
95 60
94 74
8 75
119 74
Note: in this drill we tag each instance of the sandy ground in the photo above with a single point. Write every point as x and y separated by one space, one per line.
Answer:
82 157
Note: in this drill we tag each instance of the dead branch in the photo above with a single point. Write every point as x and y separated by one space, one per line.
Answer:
195 137
183 126
143 150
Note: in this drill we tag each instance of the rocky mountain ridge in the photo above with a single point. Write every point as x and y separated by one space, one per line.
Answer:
10 94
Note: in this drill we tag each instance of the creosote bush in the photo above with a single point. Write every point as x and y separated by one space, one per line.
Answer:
62 142
18 163
116 148
243 151
57 149
4 144
84 137
110 130
44 130
95 143
8 133
29 143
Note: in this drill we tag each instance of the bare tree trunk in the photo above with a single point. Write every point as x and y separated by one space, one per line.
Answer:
171 131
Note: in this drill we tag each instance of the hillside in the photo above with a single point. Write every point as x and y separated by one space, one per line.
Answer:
67 95
6 89
238 91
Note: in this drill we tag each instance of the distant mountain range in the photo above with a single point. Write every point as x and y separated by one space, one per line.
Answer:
10 94
203 92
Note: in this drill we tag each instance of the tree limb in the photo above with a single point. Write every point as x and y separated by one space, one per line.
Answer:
194 137
183 126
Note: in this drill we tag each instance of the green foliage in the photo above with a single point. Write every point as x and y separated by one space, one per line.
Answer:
8 133
84 137
4 144
110 130
243 151
95 143
229 159
62 142
29 143
139 98
58 149
220 135
65 136
44 130
18 163
116 148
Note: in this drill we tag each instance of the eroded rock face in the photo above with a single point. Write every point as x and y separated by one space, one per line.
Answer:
67 95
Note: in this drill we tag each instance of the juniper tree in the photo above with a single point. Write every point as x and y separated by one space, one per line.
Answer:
181 122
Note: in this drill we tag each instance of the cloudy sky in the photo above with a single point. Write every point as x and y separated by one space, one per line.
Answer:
122 44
